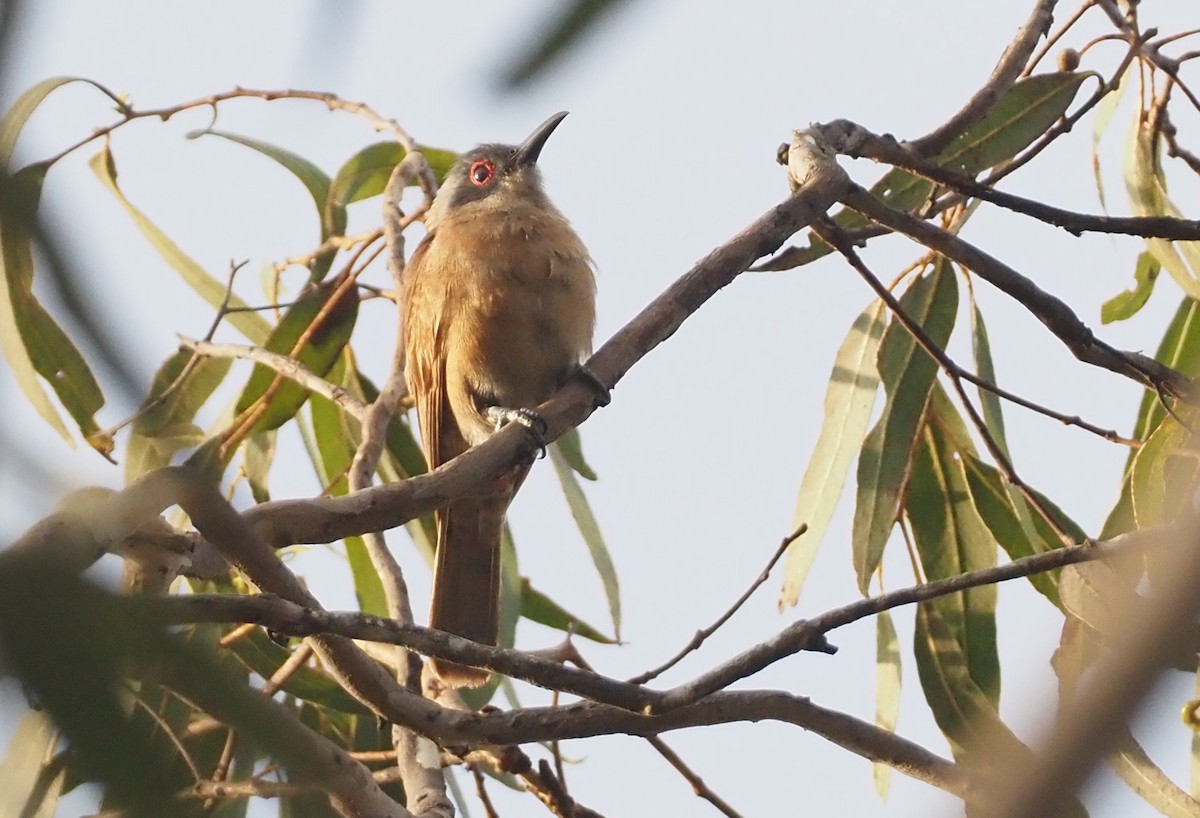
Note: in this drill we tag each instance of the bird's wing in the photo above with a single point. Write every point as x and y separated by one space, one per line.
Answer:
425 368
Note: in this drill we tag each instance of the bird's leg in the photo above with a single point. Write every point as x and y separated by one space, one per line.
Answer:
603 393
534 423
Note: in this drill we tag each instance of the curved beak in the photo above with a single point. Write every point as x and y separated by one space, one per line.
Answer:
529 150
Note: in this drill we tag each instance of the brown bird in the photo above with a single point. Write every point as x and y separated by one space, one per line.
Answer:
499 308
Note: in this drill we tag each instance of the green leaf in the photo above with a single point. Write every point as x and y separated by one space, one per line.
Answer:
1144 777
250 324
328 325
15 117
570 446
561 33
965 715
887 692
1103 117
951 539
332 215
994 503
1179 349
1126 304
257 456
590 529
29 786
537 607
1147 188
366 173
907 374
981 347
31 340
403 460
1154 493
164 422
849 401
263 657
1022 115
336 439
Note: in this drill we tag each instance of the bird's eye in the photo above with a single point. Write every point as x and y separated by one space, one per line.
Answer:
482 172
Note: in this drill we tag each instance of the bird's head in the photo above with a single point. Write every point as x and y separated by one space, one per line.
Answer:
498 177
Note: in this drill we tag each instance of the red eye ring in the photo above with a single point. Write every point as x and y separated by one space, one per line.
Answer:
482 172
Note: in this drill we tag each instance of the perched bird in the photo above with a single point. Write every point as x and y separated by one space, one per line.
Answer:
499 305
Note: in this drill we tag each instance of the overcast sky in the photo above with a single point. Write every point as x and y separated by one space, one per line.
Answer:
676 111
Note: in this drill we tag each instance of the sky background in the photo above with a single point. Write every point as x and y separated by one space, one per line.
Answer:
676 111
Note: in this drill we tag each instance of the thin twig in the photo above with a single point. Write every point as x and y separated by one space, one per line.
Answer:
1003 76
481 790
331 101
1057 35
289 368
701 635
698 786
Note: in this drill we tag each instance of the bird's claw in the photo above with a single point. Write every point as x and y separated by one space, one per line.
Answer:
533 422
603 393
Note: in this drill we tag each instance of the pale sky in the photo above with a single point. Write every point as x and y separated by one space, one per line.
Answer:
676 111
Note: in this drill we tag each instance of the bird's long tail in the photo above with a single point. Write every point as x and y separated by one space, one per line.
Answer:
466 579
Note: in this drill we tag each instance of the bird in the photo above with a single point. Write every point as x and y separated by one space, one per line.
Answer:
498 311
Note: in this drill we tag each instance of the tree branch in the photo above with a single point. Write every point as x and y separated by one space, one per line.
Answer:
1004 75
1053 312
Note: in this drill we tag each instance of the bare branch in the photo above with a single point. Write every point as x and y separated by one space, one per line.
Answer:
1004 75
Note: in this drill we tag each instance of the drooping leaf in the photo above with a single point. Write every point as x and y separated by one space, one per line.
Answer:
1098 595
1022 115
332 215
537 607
250 324
965 715
1147 188
981 347
402 458
15 117
1159 481
1103 117
1180 350
571 23
1127 303
1139 772
164 423
570 445
907 374
325 317
849 401
257 456
993 502
589 528
53 624
336 439
887 692
16 264
31 340
951 539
